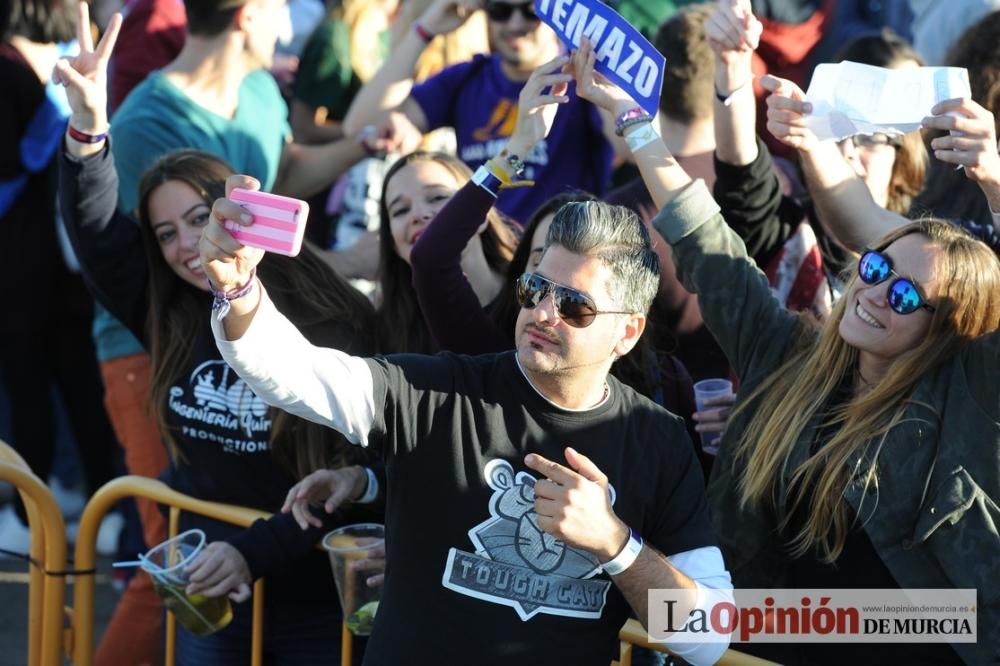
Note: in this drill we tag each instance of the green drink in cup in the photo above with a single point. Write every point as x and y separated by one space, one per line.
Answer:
167 565
348 548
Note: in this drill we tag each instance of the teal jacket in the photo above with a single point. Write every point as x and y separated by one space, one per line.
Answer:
934 516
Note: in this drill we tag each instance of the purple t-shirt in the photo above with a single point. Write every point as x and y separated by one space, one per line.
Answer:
480 102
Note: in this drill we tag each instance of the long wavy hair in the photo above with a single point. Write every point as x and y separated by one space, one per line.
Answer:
320 303
781 408
400 322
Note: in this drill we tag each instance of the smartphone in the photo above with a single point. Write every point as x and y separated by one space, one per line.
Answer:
279 223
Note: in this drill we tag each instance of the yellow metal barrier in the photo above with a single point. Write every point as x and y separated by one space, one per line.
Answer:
46 592
86 547
633 634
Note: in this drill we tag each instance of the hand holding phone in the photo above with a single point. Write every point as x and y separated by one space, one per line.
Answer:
279 223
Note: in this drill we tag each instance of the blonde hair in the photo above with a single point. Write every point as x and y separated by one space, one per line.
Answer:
967 305
365 21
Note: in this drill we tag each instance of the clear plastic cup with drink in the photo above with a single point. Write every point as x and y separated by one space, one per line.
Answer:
703 391
347 547
167 565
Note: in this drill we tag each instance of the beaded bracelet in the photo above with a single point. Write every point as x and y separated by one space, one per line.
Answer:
634 116
221 299
515 162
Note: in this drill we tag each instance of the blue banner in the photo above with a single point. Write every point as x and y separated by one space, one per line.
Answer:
623 55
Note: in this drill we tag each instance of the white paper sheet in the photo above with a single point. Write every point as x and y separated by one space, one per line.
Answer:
850 98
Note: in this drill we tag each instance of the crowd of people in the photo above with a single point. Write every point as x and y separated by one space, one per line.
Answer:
513 277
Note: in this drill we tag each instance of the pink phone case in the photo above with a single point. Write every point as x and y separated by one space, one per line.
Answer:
279 223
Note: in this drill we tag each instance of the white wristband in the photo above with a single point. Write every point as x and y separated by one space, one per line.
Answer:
627 557
641 136
371 492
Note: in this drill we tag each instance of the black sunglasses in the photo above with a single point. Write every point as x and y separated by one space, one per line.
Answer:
502 11
574 307
903 295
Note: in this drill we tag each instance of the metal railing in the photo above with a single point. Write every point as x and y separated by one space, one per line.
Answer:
46 572
86 556
47 584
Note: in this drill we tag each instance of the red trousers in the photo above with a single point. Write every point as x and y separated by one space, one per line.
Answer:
134 636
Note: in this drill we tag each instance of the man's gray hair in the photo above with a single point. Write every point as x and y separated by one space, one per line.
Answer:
616 236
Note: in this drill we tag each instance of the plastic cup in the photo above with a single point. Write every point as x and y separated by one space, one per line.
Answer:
703 390
358 601
167 565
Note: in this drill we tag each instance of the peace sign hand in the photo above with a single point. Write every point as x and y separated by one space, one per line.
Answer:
85 77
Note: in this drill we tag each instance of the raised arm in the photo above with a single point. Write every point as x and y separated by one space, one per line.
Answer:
746 186
733 33
971 143
711 260
106 241
844 204
450 306
390 88
284 369
305 169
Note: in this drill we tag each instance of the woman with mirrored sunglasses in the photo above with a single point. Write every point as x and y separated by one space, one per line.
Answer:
864 450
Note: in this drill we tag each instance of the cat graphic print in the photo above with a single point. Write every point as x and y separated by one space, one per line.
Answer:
518 564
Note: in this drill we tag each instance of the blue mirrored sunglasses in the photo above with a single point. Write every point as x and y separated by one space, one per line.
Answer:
903 295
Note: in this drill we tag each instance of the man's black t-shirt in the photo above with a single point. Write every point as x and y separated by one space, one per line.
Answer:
472 578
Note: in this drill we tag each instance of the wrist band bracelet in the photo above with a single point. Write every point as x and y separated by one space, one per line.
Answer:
371 491
423 33
487 180
727 100
641 137
83 137
221 299
627 557
500 168
633 116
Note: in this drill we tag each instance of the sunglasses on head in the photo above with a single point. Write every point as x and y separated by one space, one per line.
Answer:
903 295
502 11
574 307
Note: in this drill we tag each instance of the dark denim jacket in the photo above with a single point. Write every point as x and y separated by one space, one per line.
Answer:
934 516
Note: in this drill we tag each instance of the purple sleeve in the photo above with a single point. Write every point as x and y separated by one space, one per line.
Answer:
438 95
451 308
